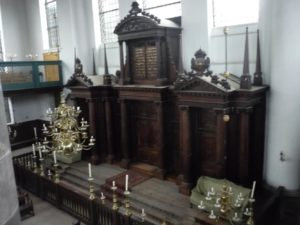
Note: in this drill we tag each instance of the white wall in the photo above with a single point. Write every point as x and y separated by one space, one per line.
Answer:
15 32
75 21
282 53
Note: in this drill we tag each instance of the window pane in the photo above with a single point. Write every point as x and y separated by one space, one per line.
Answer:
233 12
163 9
109 18
51 16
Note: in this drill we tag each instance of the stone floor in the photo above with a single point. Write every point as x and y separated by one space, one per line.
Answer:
46 214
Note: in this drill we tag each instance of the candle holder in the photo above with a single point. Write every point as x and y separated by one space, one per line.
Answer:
143 215
49 175
42 173
102 198
35 169
250 213
56 175
115 200
127 203
91 188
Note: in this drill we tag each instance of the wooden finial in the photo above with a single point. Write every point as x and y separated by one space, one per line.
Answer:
106 77
258 74
246 78
94 63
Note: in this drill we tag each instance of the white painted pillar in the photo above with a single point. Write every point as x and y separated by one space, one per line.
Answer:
195 29
9 205
281 69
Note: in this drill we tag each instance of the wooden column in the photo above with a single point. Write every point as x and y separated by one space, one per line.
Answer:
92 122
185 149
124 134
161 143
243 158
221 136
109 134
122 78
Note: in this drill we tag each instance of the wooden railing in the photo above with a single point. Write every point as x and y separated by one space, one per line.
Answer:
76 203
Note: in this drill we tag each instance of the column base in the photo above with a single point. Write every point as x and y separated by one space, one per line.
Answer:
95 160
160 174
125 163
110 159
185 188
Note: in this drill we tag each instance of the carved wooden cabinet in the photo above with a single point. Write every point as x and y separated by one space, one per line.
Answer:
151 48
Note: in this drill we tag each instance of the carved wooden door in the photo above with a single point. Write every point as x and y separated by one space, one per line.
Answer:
204 145
144 123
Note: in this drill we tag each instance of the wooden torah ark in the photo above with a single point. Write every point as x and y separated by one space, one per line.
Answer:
185 131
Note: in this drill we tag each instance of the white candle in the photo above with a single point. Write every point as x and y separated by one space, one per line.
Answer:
54 157
143 211
90 170
33 149
40 153
35 134
126 182
102 194
253 189
113 183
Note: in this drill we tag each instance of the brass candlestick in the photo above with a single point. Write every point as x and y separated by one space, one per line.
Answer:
42 173
56 175
143 215
102 198
91 188
35 169
127 203
250 220
115 200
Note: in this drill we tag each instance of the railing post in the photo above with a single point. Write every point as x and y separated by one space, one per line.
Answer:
93 212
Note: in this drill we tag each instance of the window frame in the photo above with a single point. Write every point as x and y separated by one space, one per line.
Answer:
53 28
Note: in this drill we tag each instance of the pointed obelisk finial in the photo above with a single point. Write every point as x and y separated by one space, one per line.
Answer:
180 64
105 61
106 77
94 63
258 74
74 59
246 78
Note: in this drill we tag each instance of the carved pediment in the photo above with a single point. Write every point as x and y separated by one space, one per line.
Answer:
135 24
79 80
198 84
137 20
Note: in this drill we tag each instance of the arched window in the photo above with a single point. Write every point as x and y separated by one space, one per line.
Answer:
52 26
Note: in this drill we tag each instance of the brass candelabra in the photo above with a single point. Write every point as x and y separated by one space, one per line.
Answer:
63 134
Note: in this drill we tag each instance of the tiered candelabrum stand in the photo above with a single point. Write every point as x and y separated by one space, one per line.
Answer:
56 174
91 188
226 208
127 203
115 200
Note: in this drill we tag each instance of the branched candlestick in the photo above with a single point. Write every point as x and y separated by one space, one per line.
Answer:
250 213
56 175
127 203
115 200
42 173
91 188
35 169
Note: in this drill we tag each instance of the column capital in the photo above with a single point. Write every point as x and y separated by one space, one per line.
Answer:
184 107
